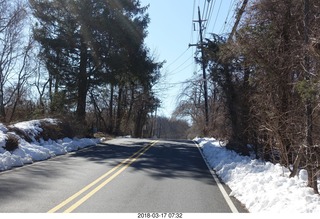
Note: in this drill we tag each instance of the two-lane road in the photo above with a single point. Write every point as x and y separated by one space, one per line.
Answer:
120 176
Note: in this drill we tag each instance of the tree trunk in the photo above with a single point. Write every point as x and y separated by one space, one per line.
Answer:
98 113
131 104
82 84
312 178
295 166
138 126
110 126
2 108
119 111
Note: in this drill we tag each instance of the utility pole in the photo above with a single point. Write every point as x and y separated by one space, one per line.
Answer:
205 86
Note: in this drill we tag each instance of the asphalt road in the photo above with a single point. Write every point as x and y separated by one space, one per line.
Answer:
121 176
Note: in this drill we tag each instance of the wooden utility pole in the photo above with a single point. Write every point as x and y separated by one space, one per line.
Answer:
205 86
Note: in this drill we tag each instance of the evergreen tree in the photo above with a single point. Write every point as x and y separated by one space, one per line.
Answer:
79 39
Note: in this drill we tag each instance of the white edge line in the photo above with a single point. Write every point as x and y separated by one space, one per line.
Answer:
222 190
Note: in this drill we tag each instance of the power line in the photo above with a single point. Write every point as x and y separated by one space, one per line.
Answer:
204 7
192 24
172 71
209 14
213 3
231 6
214 24
199 21
176 72
174 61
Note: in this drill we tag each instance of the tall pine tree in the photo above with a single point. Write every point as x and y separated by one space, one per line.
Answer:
82 40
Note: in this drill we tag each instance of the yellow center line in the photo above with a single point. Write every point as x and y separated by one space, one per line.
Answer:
131 159
95 190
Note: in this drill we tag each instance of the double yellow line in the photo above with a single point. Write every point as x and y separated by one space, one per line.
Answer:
120 167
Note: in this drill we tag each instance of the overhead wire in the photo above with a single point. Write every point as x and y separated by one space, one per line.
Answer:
211 7
208 9
192 22
227 22
204 7
183 53
213 2
174 61
174 71
210 14
218 12
205 16
193 30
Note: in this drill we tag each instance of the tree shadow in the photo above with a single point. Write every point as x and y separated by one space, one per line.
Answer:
174 159
33 178
166 159
106 152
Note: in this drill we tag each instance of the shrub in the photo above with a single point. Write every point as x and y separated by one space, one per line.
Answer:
12 142
20 133
54 131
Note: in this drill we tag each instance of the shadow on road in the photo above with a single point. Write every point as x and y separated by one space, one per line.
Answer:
166 159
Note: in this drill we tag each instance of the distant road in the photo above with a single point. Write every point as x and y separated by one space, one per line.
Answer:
123 175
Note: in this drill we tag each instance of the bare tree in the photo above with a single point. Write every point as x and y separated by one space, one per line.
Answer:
191 107
276 39
190 104
14 49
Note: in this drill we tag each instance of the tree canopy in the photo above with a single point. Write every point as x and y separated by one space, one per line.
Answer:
90 45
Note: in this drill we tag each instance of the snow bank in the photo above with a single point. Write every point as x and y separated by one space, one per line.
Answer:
261 186
37 150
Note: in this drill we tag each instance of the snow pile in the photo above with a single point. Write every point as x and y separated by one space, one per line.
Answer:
37 150
260 186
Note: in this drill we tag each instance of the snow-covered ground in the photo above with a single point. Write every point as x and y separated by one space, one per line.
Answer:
28 153
261 186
